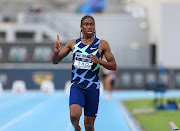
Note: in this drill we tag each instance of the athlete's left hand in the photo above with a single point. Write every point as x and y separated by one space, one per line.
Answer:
95 59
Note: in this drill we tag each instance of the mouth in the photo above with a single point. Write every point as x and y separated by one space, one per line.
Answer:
89 32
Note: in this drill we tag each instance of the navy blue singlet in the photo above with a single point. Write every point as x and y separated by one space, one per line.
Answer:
84 72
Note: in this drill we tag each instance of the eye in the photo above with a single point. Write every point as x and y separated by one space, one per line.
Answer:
86 24
92 24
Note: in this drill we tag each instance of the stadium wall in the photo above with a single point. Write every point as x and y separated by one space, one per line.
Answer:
126 78
169 39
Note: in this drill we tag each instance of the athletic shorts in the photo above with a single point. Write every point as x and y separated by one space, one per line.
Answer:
87 98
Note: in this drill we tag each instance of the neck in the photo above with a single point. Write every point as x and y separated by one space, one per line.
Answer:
87 38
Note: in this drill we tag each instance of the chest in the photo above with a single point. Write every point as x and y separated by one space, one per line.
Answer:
86 49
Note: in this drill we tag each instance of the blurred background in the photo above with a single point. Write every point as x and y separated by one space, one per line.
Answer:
143 36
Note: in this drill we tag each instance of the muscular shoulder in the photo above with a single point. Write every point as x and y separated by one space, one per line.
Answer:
103 44
71 44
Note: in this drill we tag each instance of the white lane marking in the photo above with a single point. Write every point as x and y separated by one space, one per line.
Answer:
8 102
12 101
127 117
25 114
68 127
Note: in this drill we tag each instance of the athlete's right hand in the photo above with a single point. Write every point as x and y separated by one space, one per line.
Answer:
57 45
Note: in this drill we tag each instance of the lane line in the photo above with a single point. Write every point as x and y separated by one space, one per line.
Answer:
23 115
127 117
12 101
68 127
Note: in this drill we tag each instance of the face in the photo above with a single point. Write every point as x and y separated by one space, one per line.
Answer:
88 27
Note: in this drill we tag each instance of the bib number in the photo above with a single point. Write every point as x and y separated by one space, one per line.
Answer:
82 61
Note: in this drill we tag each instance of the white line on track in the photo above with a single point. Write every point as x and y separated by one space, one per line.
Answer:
68 127
127 117
10 102
25 114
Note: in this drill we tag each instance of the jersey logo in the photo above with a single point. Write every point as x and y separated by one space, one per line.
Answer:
93 48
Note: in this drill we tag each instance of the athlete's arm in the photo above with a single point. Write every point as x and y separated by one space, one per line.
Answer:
59 54
110 63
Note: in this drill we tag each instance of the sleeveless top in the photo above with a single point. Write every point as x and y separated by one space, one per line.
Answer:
84 72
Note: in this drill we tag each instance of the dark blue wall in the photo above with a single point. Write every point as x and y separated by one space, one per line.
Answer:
34 77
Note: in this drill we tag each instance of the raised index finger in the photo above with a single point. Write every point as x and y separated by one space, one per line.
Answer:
58 38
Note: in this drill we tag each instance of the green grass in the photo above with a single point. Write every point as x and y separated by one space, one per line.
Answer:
158 121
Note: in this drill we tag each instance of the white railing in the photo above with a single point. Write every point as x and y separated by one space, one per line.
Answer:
55 24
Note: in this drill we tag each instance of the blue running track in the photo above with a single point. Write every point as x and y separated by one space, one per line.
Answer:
35 111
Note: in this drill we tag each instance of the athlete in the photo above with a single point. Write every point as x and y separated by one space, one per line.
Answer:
87 53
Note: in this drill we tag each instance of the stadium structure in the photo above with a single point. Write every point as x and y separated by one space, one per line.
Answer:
138 38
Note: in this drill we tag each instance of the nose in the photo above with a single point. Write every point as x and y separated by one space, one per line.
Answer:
89 26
